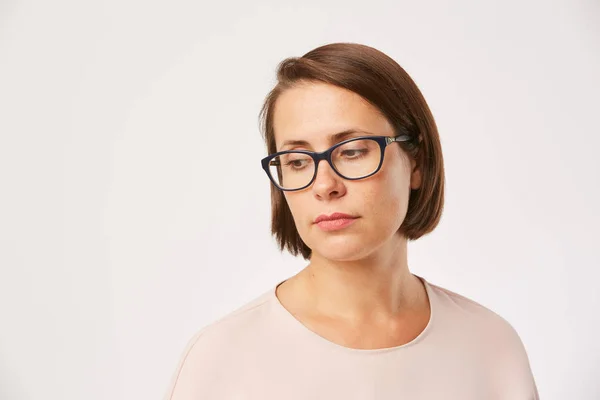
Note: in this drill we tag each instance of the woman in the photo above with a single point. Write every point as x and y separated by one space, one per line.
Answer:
356 169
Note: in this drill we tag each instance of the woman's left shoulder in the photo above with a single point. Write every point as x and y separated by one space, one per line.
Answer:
489 335
453 306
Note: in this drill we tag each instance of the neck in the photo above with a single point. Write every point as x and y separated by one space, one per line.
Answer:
379 286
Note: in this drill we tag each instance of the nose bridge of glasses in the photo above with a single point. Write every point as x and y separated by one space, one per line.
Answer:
331 171
323 156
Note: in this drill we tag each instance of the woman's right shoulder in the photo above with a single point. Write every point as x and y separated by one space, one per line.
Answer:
250 315
217 343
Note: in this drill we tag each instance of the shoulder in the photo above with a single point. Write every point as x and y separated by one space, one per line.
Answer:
216 344
462 312
451 305
234 326
494 339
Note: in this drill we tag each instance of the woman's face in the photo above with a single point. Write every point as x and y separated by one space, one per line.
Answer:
313 112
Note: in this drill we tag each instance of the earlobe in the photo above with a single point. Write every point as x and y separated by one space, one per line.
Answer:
415 176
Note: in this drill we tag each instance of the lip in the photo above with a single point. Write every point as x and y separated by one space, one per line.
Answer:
334 221
332 217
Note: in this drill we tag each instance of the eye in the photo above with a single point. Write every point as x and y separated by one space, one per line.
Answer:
354 153
296 162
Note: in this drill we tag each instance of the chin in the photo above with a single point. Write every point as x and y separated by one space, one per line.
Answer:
343 249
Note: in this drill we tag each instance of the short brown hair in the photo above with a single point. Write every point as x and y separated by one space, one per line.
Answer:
382 82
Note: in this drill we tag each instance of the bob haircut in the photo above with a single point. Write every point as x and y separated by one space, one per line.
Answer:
382 82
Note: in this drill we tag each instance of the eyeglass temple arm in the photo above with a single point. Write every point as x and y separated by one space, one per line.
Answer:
401 138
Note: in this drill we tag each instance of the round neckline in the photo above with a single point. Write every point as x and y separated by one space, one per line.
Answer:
324 341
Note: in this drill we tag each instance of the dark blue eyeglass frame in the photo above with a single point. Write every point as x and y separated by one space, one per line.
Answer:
383 142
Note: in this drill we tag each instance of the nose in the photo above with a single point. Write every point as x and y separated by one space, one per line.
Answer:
328 184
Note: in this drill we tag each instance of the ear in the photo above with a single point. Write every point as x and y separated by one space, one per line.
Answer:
415 175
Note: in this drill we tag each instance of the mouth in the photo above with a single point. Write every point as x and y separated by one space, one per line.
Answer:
334 221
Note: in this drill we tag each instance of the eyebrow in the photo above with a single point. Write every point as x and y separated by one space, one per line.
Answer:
334 138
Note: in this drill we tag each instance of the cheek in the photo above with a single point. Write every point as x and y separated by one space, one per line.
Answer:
295 203
388 194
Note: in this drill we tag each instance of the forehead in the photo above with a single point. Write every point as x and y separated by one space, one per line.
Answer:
313 112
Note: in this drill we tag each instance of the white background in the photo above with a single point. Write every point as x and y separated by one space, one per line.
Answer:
134 211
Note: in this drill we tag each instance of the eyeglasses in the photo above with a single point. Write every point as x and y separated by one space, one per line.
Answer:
352 159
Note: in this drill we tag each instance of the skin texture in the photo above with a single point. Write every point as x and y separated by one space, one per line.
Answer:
357 290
